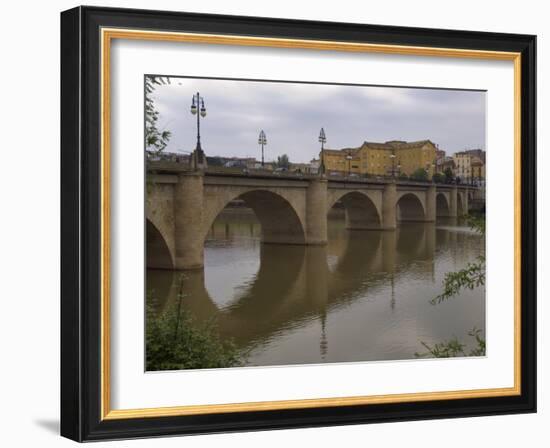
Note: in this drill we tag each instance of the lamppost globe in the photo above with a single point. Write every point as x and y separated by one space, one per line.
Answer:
322 140
322 136
262 140
197 100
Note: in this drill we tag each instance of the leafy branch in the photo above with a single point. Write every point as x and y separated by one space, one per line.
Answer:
454 348
156 140
477 223
480 347
472 276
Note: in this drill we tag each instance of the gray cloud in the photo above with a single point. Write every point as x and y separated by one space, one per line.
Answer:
292 114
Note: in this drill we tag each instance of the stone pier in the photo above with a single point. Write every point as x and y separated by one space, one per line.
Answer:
453 203
389 218
188 211
430 204
316 212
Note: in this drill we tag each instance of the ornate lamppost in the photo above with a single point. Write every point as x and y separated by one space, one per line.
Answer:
198 109
262 140
322 140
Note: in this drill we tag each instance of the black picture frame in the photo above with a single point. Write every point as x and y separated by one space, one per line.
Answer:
81 224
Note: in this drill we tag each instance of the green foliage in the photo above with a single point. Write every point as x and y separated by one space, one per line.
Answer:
477 223
155 139
479 350
283 162
403 176
448 349
419 174
214 161
175 341
438 178
449 176
454 347
472 276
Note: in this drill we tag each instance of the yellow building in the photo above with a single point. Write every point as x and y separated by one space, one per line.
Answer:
463 166
379 159
478 169
470 165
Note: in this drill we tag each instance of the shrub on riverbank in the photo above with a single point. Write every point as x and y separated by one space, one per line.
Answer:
471 277
175 341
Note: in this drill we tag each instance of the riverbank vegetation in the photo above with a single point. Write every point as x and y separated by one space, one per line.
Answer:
454 347
175 340
470 277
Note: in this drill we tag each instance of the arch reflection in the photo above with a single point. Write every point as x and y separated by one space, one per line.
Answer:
294 285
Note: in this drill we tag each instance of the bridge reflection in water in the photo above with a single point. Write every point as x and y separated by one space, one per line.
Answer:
363 297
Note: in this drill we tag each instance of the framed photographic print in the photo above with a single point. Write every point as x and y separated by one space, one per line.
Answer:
273 223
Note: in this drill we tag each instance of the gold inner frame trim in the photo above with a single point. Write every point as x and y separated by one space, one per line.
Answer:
107 35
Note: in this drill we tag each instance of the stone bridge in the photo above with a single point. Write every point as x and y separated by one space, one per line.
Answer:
181 206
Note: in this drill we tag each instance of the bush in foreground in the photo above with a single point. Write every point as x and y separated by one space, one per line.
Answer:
176 341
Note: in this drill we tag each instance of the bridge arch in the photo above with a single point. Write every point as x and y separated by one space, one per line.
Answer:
442 206
279 218
160 226
158 253
410 208
361 211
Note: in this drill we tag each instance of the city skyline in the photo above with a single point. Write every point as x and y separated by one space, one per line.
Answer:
292 114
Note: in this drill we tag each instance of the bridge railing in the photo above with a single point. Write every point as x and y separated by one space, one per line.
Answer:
168 167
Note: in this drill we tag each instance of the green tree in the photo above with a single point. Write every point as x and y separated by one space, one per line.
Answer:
283 162
155 139
438 178
214 161
449 176
419 174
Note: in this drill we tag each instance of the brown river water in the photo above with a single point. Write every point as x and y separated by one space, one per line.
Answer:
363 297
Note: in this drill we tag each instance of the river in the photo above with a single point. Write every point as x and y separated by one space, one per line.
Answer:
363 297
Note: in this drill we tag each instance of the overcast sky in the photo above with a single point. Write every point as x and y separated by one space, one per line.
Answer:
292 114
